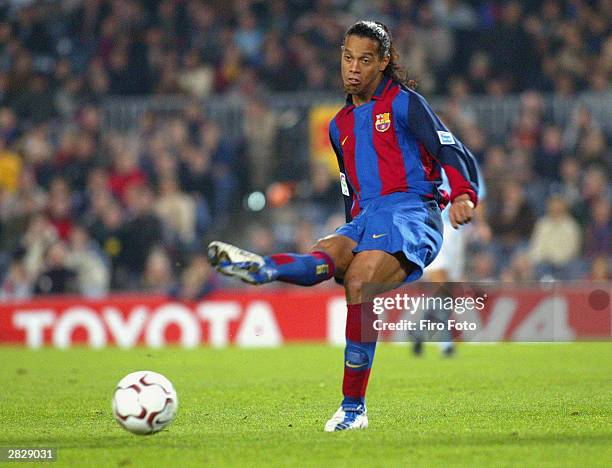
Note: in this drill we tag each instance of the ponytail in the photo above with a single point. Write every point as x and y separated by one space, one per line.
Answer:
396 71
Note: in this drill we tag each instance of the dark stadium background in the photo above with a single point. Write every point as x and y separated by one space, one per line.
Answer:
133 132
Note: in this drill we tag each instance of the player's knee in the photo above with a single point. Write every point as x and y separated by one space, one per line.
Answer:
339 249
354 284
326 245
335 245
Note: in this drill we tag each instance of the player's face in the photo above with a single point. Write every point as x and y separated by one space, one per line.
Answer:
361 66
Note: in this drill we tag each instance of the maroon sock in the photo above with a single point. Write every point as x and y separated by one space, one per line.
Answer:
359 352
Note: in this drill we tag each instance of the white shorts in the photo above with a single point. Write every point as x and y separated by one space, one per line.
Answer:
451 257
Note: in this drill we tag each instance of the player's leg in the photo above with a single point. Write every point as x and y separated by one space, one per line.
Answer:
399 234
447 266
438 275
328 257
368 268
445 337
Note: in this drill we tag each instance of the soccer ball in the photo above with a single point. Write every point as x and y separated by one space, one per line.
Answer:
144 402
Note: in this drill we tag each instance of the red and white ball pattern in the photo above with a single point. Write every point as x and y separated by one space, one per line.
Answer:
144 402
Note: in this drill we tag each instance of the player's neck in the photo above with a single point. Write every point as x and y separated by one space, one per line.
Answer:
366 96
361 99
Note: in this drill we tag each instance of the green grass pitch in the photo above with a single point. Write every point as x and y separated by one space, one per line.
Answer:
502 405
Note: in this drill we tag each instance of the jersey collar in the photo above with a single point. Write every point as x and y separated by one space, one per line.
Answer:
379 94
384 85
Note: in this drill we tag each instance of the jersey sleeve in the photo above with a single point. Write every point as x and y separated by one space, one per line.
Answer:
457 161
346 189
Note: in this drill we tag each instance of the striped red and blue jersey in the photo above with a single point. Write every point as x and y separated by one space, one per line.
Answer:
396 143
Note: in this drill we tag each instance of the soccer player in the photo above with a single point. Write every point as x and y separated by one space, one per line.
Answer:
448 267
390 148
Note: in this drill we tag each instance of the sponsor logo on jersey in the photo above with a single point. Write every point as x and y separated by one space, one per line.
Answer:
446 138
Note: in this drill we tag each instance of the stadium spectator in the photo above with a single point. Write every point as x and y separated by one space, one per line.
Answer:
37 151
549 153
10 168
59 208
125 172
76 160
107 230
39 236
17 210
581 125
197 79
176 210
322 193
86 260
16 284
511 218
519 269
260 126
158 274
598 234
141 233
56 277
595 185
557 228
249 37
482 266
9 127
197 280
35 104
569 185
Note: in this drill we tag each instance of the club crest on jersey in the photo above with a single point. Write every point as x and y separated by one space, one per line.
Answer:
383 122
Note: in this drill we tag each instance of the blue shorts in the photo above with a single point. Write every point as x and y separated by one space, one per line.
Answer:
398 222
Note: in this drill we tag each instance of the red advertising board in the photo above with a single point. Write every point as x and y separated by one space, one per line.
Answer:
272 317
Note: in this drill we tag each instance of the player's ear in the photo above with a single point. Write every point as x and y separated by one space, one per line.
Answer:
384 62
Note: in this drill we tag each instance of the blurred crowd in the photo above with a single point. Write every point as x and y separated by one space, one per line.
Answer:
86 210
547 209
86 49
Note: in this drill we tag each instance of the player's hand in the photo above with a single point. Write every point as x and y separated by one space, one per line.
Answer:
461 211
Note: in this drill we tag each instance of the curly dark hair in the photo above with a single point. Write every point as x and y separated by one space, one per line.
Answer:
380 33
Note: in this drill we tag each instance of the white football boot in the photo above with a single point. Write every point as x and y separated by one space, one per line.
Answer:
348 416
234 261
